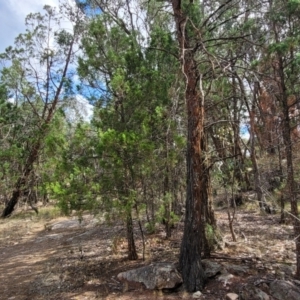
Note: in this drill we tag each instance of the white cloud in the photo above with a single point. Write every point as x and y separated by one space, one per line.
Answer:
11 100
12 15
23 8
84 107
79 109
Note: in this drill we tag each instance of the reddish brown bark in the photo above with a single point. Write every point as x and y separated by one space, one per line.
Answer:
194 241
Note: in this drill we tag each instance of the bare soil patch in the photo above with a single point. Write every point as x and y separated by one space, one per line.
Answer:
65 259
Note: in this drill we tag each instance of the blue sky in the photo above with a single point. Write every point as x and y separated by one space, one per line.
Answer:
12 16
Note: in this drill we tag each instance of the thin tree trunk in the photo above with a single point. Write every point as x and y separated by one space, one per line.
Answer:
257 179
282 214
142 231
167 204
256 171
132 254
239 173
231 218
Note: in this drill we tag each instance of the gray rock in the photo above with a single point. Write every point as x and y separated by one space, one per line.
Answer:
250 292
197 295
54 236
296 282
225 277
231 296
65 224
237 269
287 270
284 290
155 276
211 268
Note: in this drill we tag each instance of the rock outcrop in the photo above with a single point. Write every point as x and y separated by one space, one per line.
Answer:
158 276
283 290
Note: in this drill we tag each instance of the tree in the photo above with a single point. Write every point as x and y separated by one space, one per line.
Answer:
133 110
120 141
39 76
197 170
203 32
286 69
8 130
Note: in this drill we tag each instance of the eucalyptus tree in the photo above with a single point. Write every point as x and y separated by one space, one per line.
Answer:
39 76
278 70
267 79
205 31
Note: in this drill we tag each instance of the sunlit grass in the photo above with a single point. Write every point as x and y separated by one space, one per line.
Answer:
44 213
287 206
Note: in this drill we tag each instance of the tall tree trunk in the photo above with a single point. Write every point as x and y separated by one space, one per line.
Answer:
194 240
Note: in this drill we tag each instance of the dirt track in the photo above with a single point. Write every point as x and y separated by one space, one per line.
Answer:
63 259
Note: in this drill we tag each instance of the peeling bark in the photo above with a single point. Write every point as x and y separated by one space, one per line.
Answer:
198 211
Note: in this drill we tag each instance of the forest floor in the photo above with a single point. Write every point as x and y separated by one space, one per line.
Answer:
62 259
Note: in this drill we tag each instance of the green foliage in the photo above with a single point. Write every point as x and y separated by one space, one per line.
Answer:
71 182
133 122
36 76
293 6
164 213
150 227
210 235
280 48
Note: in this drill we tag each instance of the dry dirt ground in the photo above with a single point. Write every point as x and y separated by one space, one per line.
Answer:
62 259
